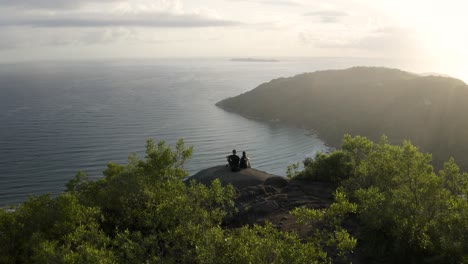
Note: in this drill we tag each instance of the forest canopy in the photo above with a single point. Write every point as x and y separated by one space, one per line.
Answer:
144 212
406 212
389 206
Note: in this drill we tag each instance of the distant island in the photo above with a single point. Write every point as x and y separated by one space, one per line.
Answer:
369 101
253 60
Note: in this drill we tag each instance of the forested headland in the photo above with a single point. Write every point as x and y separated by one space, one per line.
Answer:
368 101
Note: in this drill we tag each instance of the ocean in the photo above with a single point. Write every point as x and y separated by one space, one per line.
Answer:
58 118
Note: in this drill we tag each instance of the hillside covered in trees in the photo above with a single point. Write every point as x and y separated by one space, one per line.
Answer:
369 101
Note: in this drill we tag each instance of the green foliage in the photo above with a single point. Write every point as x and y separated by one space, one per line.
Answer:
405 208
406 212
139 212
293 170
36 227
85 244
9 237
454 181
338 165
257 244
327 223
358 148
333 167
371 207
390 206
144 212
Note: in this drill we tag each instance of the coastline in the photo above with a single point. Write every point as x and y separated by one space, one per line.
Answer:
330 142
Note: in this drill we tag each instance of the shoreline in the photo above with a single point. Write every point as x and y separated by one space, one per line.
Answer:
310 131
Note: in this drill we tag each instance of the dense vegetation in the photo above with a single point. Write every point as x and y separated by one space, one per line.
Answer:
429 111
406 211
144 212
390 206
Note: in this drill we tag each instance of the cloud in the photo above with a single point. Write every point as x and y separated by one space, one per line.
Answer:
144 13
154 20
329 16
392 39
385 41
48 4
36 23
281 3
129 6
273 2
26 38
14 38
327 13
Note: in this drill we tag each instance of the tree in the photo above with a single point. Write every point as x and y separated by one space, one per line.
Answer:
404 206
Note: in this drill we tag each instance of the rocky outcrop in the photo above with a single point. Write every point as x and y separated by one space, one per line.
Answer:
265 197
273 203
240 179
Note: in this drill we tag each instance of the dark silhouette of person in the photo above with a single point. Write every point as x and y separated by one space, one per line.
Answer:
244 161
233 161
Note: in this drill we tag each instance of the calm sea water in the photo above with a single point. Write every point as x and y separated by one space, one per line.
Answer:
59 118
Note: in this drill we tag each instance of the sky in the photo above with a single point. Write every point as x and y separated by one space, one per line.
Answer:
431 32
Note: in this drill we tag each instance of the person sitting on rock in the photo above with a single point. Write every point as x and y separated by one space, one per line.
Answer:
244 161
233 161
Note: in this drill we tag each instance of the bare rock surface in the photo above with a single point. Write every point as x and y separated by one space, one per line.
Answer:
265 197
239 179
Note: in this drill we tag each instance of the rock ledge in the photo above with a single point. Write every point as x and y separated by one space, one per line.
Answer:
241 179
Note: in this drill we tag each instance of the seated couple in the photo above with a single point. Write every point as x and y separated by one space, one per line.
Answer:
237 163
